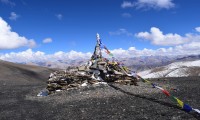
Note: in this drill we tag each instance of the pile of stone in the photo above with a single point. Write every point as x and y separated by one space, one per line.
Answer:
97 69
63 80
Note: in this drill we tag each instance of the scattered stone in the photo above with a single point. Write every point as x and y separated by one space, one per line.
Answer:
42 93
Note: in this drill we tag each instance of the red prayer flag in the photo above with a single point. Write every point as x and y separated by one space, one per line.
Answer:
166 92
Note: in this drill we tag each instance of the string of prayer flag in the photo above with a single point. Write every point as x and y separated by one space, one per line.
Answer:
180 103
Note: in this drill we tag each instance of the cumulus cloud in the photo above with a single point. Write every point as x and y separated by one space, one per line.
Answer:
121 31
158 38
38 56
12 40
24 56
72 55
126 15
13 16
47 40
155 4
29 55
190 48
197 29
186 49
59 16
8 2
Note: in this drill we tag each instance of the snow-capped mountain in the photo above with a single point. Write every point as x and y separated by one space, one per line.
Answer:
176 69
152 66
60 64
136 63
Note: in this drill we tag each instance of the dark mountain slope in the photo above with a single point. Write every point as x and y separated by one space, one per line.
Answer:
13 73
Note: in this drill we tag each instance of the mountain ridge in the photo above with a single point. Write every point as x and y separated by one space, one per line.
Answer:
175 69
139 64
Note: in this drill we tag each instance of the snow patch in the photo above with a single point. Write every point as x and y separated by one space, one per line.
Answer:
176 69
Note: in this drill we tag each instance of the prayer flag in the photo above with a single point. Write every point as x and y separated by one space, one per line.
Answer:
187 108
180 103
196 110
159 88
154 85
166 92
147 81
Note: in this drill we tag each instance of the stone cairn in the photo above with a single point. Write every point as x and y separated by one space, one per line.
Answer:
97 69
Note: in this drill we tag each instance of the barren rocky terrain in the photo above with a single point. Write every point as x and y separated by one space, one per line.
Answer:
19 86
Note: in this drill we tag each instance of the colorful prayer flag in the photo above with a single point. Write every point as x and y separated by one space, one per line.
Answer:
196 110
166 92
187 108
145 80
159 88
154 85
180 103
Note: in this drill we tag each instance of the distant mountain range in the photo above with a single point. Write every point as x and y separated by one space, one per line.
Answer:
136 63
58 64
149 66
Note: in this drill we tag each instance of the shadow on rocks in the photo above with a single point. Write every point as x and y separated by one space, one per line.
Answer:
194 114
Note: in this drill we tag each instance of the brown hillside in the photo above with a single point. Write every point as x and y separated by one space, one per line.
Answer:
13 73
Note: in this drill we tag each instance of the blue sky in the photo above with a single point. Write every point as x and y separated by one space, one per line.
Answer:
127 27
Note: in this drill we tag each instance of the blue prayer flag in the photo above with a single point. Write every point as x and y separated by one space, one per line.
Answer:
187 108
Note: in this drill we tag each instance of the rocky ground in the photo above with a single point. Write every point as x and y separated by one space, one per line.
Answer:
20 84
20 101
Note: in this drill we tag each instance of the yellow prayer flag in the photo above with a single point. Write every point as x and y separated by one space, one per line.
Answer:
180 103
147 81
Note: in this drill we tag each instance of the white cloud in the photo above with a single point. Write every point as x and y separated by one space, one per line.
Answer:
10 39
72 55
47 40
155 4
31 56
8 2
39 56
158 38
191 47
197 29
126 15
127 4
121 31
59 16
13 16
178 45
24 56
186 49
166 4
